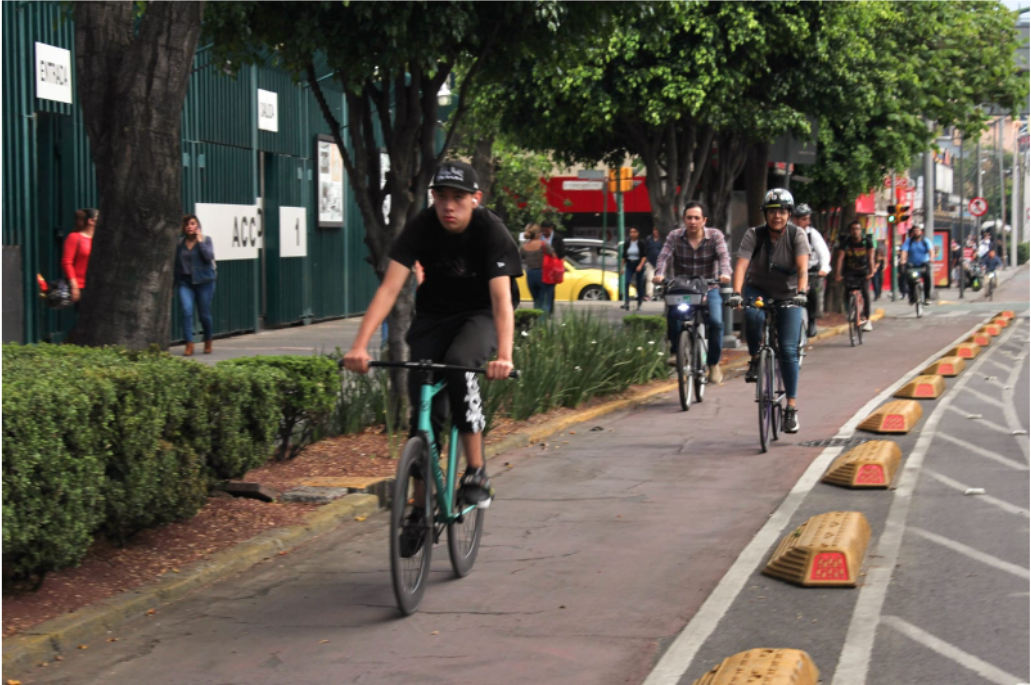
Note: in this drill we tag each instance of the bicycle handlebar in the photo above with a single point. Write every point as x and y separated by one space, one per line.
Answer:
780 304
430 366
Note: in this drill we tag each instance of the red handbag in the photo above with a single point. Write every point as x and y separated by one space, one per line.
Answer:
553 270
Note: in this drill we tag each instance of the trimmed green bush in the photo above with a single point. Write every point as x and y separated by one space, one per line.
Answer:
245 409
1022 252
525 319
309 395
646 322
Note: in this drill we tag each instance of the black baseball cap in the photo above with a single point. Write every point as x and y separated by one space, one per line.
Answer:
457 175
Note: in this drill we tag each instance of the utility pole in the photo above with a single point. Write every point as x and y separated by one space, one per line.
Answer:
960 273
980 190
892 238
1002 189
1015 200
929 209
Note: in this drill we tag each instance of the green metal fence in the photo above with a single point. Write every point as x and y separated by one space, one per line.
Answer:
48 173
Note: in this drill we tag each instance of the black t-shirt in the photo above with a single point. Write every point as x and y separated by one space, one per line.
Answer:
856 259
457 266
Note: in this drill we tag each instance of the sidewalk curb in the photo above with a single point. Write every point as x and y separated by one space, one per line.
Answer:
61 635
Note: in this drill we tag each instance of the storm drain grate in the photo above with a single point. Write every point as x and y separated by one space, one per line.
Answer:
835 442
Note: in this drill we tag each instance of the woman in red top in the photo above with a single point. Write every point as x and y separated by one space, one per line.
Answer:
77 248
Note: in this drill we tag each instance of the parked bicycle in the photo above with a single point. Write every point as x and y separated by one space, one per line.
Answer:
769 387
410 555
688 297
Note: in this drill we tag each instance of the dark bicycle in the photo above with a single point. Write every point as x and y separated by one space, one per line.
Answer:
855 289
688 299
916 287
769 386
438 497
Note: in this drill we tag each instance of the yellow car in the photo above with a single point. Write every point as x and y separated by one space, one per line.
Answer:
584 280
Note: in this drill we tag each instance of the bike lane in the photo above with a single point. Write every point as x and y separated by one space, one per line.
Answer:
600 548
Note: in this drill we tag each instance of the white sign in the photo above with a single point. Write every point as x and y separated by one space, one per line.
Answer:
268 111
583 185
235 230
978 206
384 168
293 232
53 73
331 185
943 178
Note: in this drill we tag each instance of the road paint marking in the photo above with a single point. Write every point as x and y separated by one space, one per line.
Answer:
998 365
973 553
677 659
981 420
952 314
854 662
984 397
952 652
987 454
994 501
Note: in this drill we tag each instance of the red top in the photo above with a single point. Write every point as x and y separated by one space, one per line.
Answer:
77 248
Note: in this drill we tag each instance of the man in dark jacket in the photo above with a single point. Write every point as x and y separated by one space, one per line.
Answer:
654 249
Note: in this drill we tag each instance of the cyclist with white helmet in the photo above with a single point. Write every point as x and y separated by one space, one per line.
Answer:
773 263
819 264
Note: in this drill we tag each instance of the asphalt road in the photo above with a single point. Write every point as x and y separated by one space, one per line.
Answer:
632 550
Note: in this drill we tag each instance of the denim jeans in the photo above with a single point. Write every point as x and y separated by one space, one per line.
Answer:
789 329
635 278
713 326
536 286
201 295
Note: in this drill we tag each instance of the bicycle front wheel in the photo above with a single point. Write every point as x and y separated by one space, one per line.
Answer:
765 396
919 292
465 530
411 549
685 361
699 368
853 321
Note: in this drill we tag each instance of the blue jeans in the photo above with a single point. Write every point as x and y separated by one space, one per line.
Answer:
201 294
789 330
536 287
713 326
633 277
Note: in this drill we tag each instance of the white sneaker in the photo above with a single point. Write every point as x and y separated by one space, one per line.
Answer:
867 326
715 374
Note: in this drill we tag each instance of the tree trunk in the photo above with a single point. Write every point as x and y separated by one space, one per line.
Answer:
131 84
755 182
484 164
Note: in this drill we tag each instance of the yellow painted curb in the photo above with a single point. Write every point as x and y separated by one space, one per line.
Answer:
827 550
764 667
946 366
898 416
928 387
870 465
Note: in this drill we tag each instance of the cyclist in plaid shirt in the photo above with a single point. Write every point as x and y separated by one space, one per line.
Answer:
697 251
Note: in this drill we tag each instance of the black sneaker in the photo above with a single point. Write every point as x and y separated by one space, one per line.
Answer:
752 375
413 532
791 424
811 333
476 488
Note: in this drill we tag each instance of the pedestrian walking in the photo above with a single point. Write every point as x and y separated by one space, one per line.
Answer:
880 262
655 244
532 253
77 249
195 275
634 258
558 244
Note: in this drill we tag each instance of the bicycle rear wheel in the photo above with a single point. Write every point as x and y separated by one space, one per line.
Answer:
858 304
464 533
765 396
410 558
919 292
685 360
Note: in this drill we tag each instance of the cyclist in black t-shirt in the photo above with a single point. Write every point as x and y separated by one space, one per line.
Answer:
855 265
463 308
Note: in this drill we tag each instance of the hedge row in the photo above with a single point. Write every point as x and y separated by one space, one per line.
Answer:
109 442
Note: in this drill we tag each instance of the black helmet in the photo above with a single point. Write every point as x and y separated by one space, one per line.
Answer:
803 210
779 198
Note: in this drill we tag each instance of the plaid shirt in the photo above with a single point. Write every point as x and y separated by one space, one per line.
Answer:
691 262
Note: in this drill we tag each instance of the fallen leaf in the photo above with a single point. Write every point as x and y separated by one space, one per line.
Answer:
562 606
83 646
13 682
572 432
322 642
175 570
151 612
360 518
112 639
435 632
58 658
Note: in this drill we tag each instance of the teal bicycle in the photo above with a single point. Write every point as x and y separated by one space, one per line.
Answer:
438 497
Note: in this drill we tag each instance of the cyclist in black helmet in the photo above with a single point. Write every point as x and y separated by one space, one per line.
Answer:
773 263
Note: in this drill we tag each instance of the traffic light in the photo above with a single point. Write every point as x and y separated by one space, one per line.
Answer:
623 182
898 213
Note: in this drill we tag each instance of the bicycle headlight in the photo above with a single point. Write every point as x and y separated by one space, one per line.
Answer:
683 307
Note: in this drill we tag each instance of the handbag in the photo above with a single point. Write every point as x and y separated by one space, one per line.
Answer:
553 271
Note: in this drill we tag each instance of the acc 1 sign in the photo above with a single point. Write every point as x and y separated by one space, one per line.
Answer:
235 230
293 232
